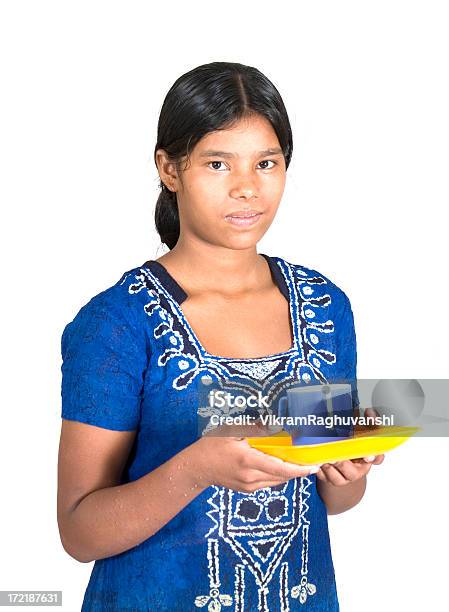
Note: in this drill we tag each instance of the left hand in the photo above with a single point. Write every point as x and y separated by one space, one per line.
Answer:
340 473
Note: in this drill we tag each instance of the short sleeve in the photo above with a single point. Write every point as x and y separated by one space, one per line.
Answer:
104 360
346 344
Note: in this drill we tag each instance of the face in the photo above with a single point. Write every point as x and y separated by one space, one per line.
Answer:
231 173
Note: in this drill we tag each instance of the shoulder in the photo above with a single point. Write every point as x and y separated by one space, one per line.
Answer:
314 285
121 302
105 354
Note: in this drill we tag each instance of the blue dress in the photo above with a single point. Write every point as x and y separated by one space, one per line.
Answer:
129 362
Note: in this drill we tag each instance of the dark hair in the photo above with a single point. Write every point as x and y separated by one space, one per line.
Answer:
208 98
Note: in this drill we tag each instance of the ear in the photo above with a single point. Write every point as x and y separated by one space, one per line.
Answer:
167 170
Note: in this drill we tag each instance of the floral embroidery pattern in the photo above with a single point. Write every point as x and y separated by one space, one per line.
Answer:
303 589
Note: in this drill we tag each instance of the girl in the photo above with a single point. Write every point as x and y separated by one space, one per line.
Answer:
173 520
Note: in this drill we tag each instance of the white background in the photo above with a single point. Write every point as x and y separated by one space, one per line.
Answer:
366 88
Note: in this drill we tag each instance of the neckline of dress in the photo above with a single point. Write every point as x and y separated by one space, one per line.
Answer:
178 294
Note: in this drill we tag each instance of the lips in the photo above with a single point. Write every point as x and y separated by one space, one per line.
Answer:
243 214
243 218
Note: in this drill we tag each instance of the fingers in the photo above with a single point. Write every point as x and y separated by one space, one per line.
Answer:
321 475
369 459
275 467
332 475
259 480
378 459
257 476
351 471
373 459
342 472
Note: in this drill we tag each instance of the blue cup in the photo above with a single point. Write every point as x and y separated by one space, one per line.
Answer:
327 401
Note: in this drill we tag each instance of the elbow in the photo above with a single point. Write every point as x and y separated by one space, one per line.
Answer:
78 557
74 551
70 538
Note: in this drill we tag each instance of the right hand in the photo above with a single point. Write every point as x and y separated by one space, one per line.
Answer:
228 460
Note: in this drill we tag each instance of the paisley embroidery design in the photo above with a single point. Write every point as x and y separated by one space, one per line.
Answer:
256 528
181 345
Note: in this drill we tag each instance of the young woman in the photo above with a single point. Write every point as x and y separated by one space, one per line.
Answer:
174 520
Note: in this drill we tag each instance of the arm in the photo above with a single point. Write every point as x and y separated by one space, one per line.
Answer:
105 361
98 517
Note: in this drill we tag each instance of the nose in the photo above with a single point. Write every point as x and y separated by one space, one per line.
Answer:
244 187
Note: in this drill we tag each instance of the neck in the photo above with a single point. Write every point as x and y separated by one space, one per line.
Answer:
210 267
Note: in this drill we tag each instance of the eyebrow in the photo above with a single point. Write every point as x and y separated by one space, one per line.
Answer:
211 153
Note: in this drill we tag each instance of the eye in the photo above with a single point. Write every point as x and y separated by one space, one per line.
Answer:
267 161
215 162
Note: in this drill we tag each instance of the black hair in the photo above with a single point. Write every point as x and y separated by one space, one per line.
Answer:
211 97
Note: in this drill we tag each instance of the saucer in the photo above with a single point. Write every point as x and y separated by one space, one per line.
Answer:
363 444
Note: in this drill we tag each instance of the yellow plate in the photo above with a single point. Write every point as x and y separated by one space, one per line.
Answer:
376 442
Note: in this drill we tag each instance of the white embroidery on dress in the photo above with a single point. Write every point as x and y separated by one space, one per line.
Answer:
259 527
283 588
192 359
162 307
125 276
239 588
215 510
257 370
305 587
264 547
215 600
261 546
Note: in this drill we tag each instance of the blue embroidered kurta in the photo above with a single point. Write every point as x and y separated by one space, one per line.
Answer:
129 362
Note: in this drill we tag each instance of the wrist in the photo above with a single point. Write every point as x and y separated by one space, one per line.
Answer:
197 469
338 499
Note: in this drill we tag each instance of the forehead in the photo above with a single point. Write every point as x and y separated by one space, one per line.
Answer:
248 136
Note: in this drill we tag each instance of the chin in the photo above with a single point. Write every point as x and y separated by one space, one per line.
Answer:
241 243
